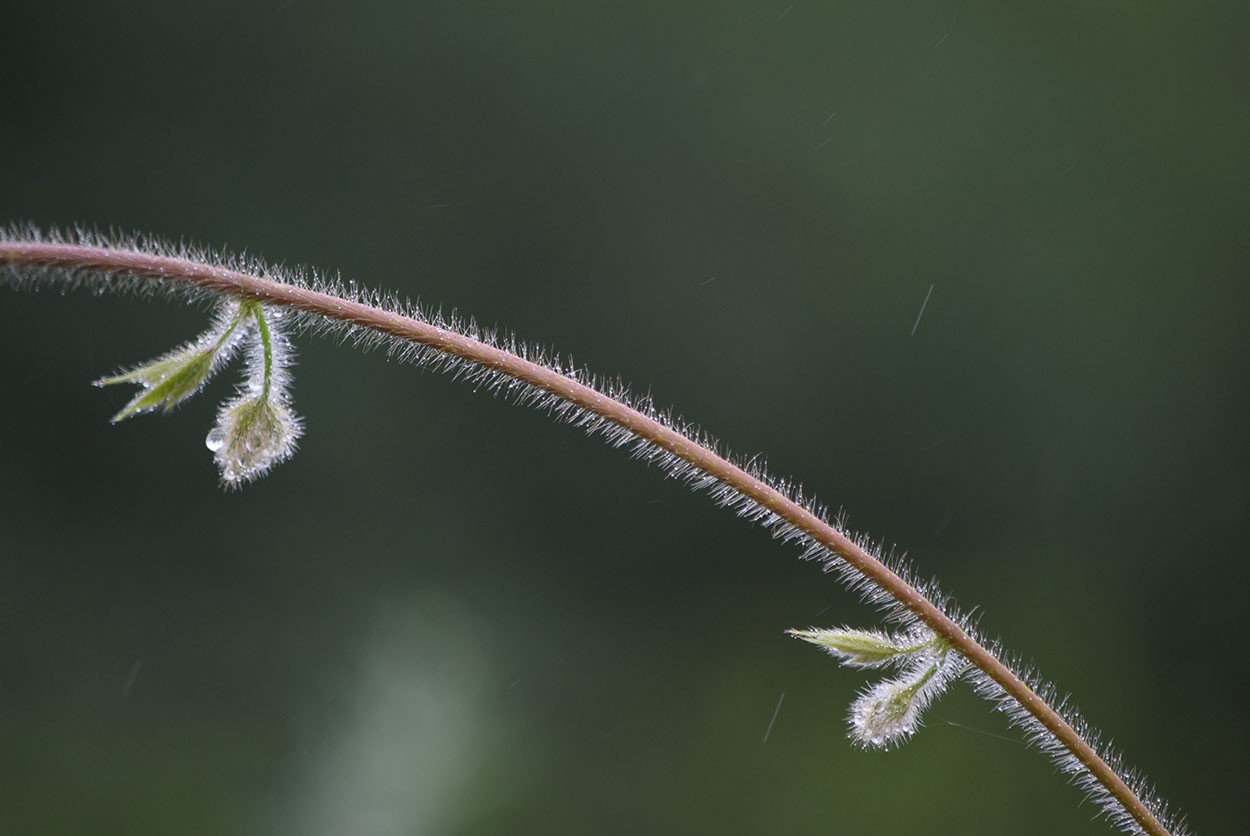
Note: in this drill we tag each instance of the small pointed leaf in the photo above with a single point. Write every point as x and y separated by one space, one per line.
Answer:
167 382
865 648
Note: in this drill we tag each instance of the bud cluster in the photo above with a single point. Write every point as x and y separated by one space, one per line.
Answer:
887 713
256 429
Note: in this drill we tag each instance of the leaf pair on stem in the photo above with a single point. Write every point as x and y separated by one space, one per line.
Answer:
888 713
255 429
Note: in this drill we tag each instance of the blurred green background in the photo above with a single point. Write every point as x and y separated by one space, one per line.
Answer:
449 615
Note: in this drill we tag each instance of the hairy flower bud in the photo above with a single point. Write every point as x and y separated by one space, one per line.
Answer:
252 435
257 429
889 712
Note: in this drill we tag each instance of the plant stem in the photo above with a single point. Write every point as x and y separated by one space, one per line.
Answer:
179 271
267 347
234 324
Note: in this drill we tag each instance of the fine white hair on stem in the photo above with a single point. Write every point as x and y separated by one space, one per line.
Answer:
501 364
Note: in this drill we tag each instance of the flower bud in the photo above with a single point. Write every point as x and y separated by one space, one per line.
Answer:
252 434
889 712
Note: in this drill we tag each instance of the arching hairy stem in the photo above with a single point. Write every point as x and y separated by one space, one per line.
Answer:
178 271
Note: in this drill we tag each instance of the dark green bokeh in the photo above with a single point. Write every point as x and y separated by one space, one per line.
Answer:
448 615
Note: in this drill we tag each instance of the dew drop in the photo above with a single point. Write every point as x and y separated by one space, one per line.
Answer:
215 440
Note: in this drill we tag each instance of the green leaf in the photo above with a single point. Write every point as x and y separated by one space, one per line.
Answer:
167 381
864 648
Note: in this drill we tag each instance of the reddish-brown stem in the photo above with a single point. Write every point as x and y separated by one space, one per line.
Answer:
181 271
